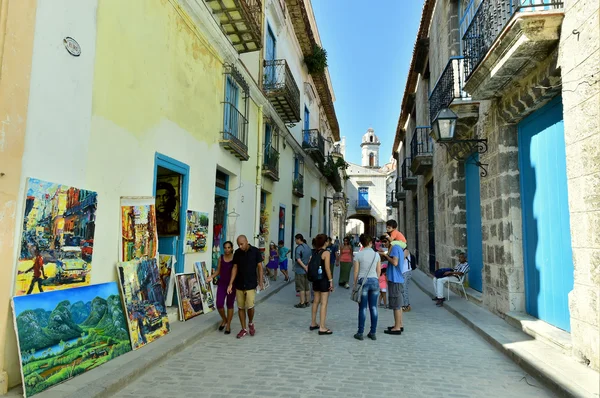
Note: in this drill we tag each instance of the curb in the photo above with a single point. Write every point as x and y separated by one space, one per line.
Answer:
113 376
555 382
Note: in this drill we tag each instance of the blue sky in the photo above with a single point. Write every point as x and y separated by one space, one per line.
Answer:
49 300
369 47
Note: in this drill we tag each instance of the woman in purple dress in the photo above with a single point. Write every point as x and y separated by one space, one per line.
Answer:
273 263
224 269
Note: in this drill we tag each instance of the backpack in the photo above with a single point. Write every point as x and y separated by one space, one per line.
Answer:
313 266
412 261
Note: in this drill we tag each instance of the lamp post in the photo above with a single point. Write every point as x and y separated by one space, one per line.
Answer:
442 131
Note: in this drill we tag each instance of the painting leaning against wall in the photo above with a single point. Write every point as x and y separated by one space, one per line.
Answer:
144 301
189 294
64 333
196 231
167 281
138 228
208 297
57 241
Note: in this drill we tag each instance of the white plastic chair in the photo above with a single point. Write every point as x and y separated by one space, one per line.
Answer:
460 281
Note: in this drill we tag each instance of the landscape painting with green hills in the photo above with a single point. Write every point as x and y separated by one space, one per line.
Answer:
64 333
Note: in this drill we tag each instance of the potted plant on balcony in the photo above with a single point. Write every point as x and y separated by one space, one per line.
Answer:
317 61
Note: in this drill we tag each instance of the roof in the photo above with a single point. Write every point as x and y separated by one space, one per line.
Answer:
308 38
413 73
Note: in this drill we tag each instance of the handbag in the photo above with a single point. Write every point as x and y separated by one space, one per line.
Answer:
356 294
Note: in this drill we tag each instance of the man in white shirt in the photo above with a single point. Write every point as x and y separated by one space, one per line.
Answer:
444 274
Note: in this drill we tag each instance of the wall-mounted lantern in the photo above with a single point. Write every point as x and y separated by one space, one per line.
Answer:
442 131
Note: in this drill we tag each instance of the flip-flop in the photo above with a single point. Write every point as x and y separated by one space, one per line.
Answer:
314 327
391 327
328 331
394 332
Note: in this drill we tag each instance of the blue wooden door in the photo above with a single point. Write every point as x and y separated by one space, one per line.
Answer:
306 125
270 54
474 238
363 197
547 252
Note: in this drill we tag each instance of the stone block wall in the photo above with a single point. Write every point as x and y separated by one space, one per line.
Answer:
503 287
579 61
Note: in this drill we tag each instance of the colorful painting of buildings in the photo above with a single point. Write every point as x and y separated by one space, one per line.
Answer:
190 297
208 297
58 237
144 301
138 225
64 333
167 281
196 231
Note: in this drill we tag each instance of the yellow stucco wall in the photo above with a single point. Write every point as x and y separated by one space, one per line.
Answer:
17 21
151 63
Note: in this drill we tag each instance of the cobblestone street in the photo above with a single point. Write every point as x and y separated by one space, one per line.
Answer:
437 356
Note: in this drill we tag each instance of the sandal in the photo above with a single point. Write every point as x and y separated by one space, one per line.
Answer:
221 327
328 331
228 331
300 305
314 327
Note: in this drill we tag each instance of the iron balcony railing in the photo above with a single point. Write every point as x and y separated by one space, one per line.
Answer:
271 160
406 172
282 90
298 184
313 140
489 20
391 198
421 143
362 205
449 87
235 126
336 150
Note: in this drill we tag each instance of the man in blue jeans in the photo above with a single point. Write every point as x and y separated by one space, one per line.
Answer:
367 269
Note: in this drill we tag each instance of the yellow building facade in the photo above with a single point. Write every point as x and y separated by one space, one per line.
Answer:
161 89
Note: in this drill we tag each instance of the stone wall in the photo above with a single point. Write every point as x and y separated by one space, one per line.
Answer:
579 60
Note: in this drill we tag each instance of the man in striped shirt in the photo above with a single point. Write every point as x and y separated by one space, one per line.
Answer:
444 274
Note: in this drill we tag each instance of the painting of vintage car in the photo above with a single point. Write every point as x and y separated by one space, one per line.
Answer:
70 266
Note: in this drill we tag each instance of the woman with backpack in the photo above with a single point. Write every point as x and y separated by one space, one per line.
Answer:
367 270
321 276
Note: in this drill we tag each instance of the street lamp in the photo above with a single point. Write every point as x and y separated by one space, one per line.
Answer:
442 131
444 126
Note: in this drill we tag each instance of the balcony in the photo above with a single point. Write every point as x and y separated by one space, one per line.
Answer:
235 132
281 89
298 185
241 21
271 163
449 92
421 151
336 151
391 199
314 144
362 205
409 181
504 40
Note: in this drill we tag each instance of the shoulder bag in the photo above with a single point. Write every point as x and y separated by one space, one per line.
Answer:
356 294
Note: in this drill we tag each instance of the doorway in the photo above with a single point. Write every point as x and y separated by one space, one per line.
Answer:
281 234
220 216
416 214
171 180
474 237
293 239
431 226
547 252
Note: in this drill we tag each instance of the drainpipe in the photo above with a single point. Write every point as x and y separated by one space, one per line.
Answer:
259 160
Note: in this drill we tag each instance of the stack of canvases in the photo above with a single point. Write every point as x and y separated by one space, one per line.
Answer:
64 325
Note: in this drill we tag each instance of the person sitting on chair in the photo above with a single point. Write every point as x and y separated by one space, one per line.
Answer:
444 274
